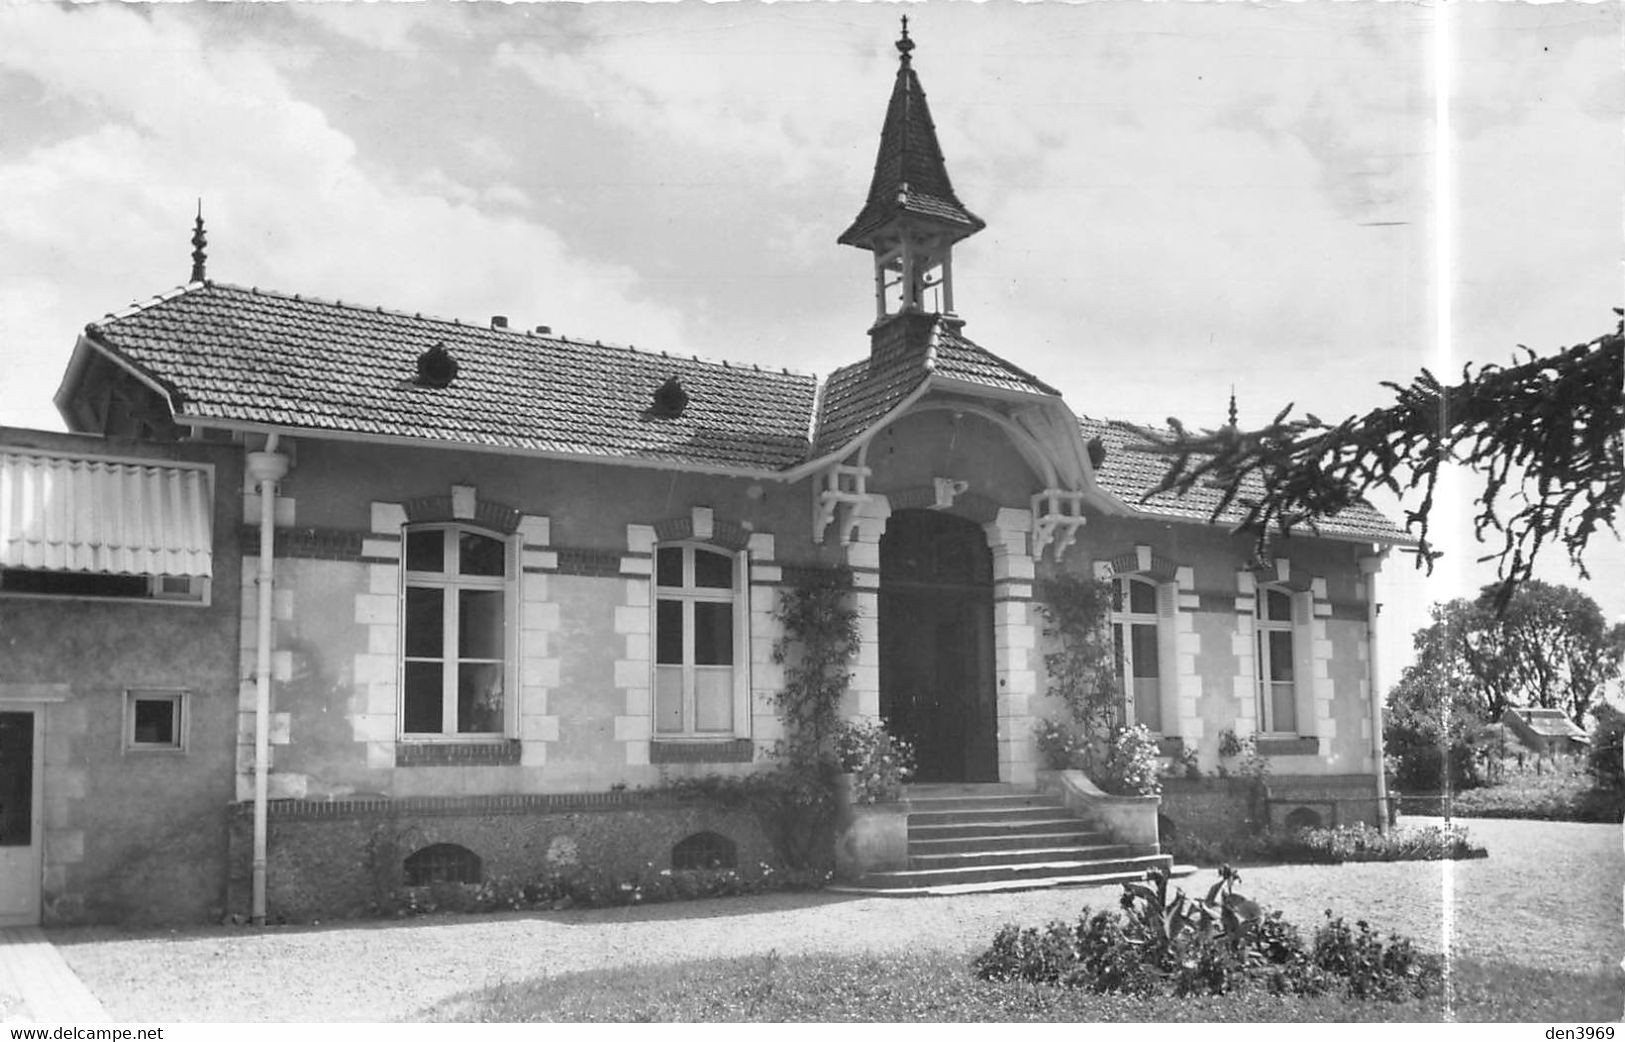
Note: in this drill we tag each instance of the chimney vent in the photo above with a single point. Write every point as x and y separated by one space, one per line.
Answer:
499 321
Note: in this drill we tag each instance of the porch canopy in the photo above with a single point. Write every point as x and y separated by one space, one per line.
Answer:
69 513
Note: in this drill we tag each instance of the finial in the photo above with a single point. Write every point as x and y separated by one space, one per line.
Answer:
905 45
199 240
1232 406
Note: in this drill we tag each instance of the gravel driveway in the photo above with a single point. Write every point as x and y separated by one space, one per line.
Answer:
1548 895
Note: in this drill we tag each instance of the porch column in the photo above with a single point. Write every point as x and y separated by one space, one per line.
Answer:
1015 642
868 524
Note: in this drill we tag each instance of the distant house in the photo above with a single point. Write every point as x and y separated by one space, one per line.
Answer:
471 586
1546 732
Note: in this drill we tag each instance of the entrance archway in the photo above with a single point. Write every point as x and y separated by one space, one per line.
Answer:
936 644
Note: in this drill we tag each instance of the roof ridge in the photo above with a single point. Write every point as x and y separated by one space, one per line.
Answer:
529 333
961 337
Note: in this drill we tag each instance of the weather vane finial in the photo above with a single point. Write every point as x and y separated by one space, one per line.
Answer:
199 240
904 45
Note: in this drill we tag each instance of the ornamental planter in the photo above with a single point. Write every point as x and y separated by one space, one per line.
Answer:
869 837
1131 820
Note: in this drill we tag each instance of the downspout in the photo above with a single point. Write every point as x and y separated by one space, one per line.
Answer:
1370 566
266 469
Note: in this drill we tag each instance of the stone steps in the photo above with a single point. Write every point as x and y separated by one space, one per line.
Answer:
975 838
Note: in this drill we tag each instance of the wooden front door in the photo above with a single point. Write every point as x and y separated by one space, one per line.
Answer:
936 644
20 825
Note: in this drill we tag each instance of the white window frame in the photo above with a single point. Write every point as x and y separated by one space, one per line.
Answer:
1123 620
451 582
178 698
688 595
1262 626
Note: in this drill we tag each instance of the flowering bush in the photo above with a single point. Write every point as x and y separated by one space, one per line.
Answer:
593 889
878 762
1060 745
1131 766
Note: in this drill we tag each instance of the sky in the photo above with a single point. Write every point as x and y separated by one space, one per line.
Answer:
1180 198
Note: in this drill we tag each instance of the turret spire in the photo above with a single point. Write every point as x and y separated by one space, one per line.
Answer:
199 240
912 217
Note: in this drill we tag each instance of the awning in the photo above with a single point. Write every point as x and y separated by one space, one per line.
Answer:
123 517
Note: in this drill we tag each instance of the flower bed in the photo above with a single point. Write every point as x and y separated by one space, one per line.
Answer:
584 888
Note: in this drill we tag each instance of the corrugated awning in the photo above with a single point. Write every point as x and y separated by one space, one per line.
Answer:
121 517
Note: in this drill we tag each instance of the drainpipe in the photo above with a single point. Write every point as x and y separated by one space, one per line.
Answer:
266 469
1370 566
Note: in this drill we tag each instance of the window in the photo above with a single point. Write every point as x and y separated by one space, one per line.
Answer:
699 618
1277 681
155 720
42 583
455 633
1139 660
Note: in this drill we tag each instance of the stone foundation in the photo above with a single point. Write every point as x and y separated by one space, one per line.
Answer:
343 858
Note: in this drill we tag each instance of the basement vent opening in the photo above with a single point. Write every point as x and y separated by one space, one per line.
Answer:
705 850
670 398
442 863
436 367
1303 818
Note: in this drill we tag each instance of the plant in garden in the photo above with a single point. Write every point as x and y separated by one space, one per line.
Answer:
1132 767
1082 663
878 762
816 648
1060 745
1165 943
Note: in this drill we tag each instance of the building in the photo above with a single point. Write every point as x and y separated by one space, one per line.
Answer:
484 583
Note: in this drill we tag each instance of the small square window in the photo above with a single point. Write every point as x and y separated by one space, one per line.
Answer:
155 720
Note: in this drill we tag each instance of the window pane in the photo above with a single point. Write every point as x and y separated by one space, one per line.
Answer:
481 555
669 632
423 699
1148 702
713 633
1142 598
426 551
713 571
1283 707
668 699
154 721
1280 606
424 611
1145 650
713 699
16 779
479 624
669 566
479 698
1280 656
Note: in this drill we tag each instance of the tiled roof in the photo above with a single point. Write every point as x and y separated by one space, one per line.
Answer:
1128 474
910 175
234 354
859 396
1548 723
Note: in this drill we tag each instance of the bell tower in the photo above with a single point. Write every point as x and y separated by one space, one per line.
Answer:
912 218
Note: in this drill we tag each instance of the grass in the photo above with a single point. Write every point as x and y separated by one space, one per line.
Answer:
1557 795
938 987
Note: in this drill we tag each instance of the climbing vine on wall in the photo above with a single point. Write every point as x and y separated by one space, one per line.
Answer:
816 648
1082 669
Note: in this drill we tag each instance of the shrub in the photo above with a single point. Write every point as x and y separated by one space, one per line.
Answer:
1607 749
1333 846
878 762
1169 944
1060 746
1131 766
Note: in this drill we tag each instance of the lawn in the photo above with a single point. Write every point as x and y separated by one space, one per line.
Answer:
939 987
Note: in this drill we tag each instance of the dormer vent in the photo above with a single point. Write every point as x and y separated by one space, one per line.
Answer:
1097 452
436 367
670 398
499 321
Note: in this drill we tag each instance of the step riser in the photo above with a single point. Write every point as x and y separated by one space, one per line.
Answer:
1026 841
984 803
1011 873
977 817
993 829
1016 857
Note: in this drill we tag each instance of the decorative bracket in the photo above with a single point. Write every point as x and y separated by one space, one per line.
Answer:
839 492
1057 516
946 490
